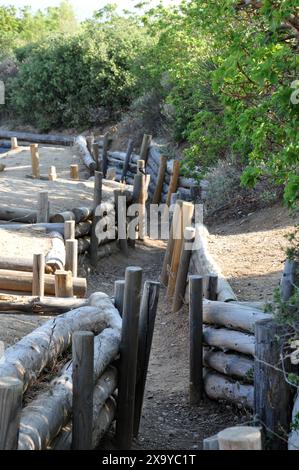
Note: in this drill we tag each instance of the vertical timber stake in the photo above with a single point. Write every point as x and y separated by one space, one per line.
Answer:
11 392
196 389
83 384
128 358
38 279
35 161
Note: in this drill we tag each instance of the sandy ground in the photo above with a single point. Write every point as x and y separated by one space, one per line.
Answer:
16 190
251 251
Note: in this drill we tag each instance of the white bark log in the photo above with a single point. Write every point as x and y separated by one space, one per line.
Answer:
218 387
39 305
229 340
232 315
26 359
104 387
229 364
44 417
55 258
293 441
81 144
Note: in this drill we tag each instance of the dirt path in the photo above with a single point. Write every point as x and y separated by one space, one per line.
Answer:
168 421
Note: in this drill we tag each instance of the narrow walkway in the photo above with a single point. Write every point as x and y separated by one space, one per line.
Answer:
168 421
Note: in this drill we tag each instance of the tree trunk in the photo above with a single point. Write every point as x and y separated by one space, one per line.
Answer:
218 387
39 305
229 339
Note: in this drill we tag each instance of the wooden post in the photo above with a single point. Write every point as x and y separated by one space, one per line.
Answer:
196 385
97 200
127 159
14 143
71 256
240 438
288 279
170 245
173 180
52 173
96 156
181 281
69 229
148 312
105 154
146 142
38 280
119 292
186 219
35 161
212 287
160 180
121 217
90 142
74 172
43 207
128 358
11 392
83 384
272 394
142 199
63 283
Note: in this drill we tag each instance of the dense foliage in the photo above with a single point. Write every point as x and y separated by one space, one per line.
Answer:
225 74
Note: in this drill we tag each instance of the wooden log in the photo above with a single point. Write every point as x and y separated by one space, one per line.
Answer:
218 387
83 228
11 390
55 258
17 215
240 438
82 214
71 256
50 227
69 230
105 154
146 142
210 443
127 159
288 279
272 393
148 310
43 207
104 415
14 143
83 383
35 161
229 364
183 269
232 315
293 440
22 264
229 340
196 385
174 180
52 175
38 305
38 429
81 144
63 283
62 217
38 279
119 292
74 172
170 244
21 281
160 180
26 359
90 142
186 220
38 138
128 358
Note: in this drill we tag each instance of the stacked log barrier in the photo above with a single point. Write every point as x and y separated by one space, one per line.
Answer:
26 360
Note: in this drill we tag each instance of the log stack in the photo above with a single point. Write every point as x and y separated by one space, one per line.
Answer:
45 421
